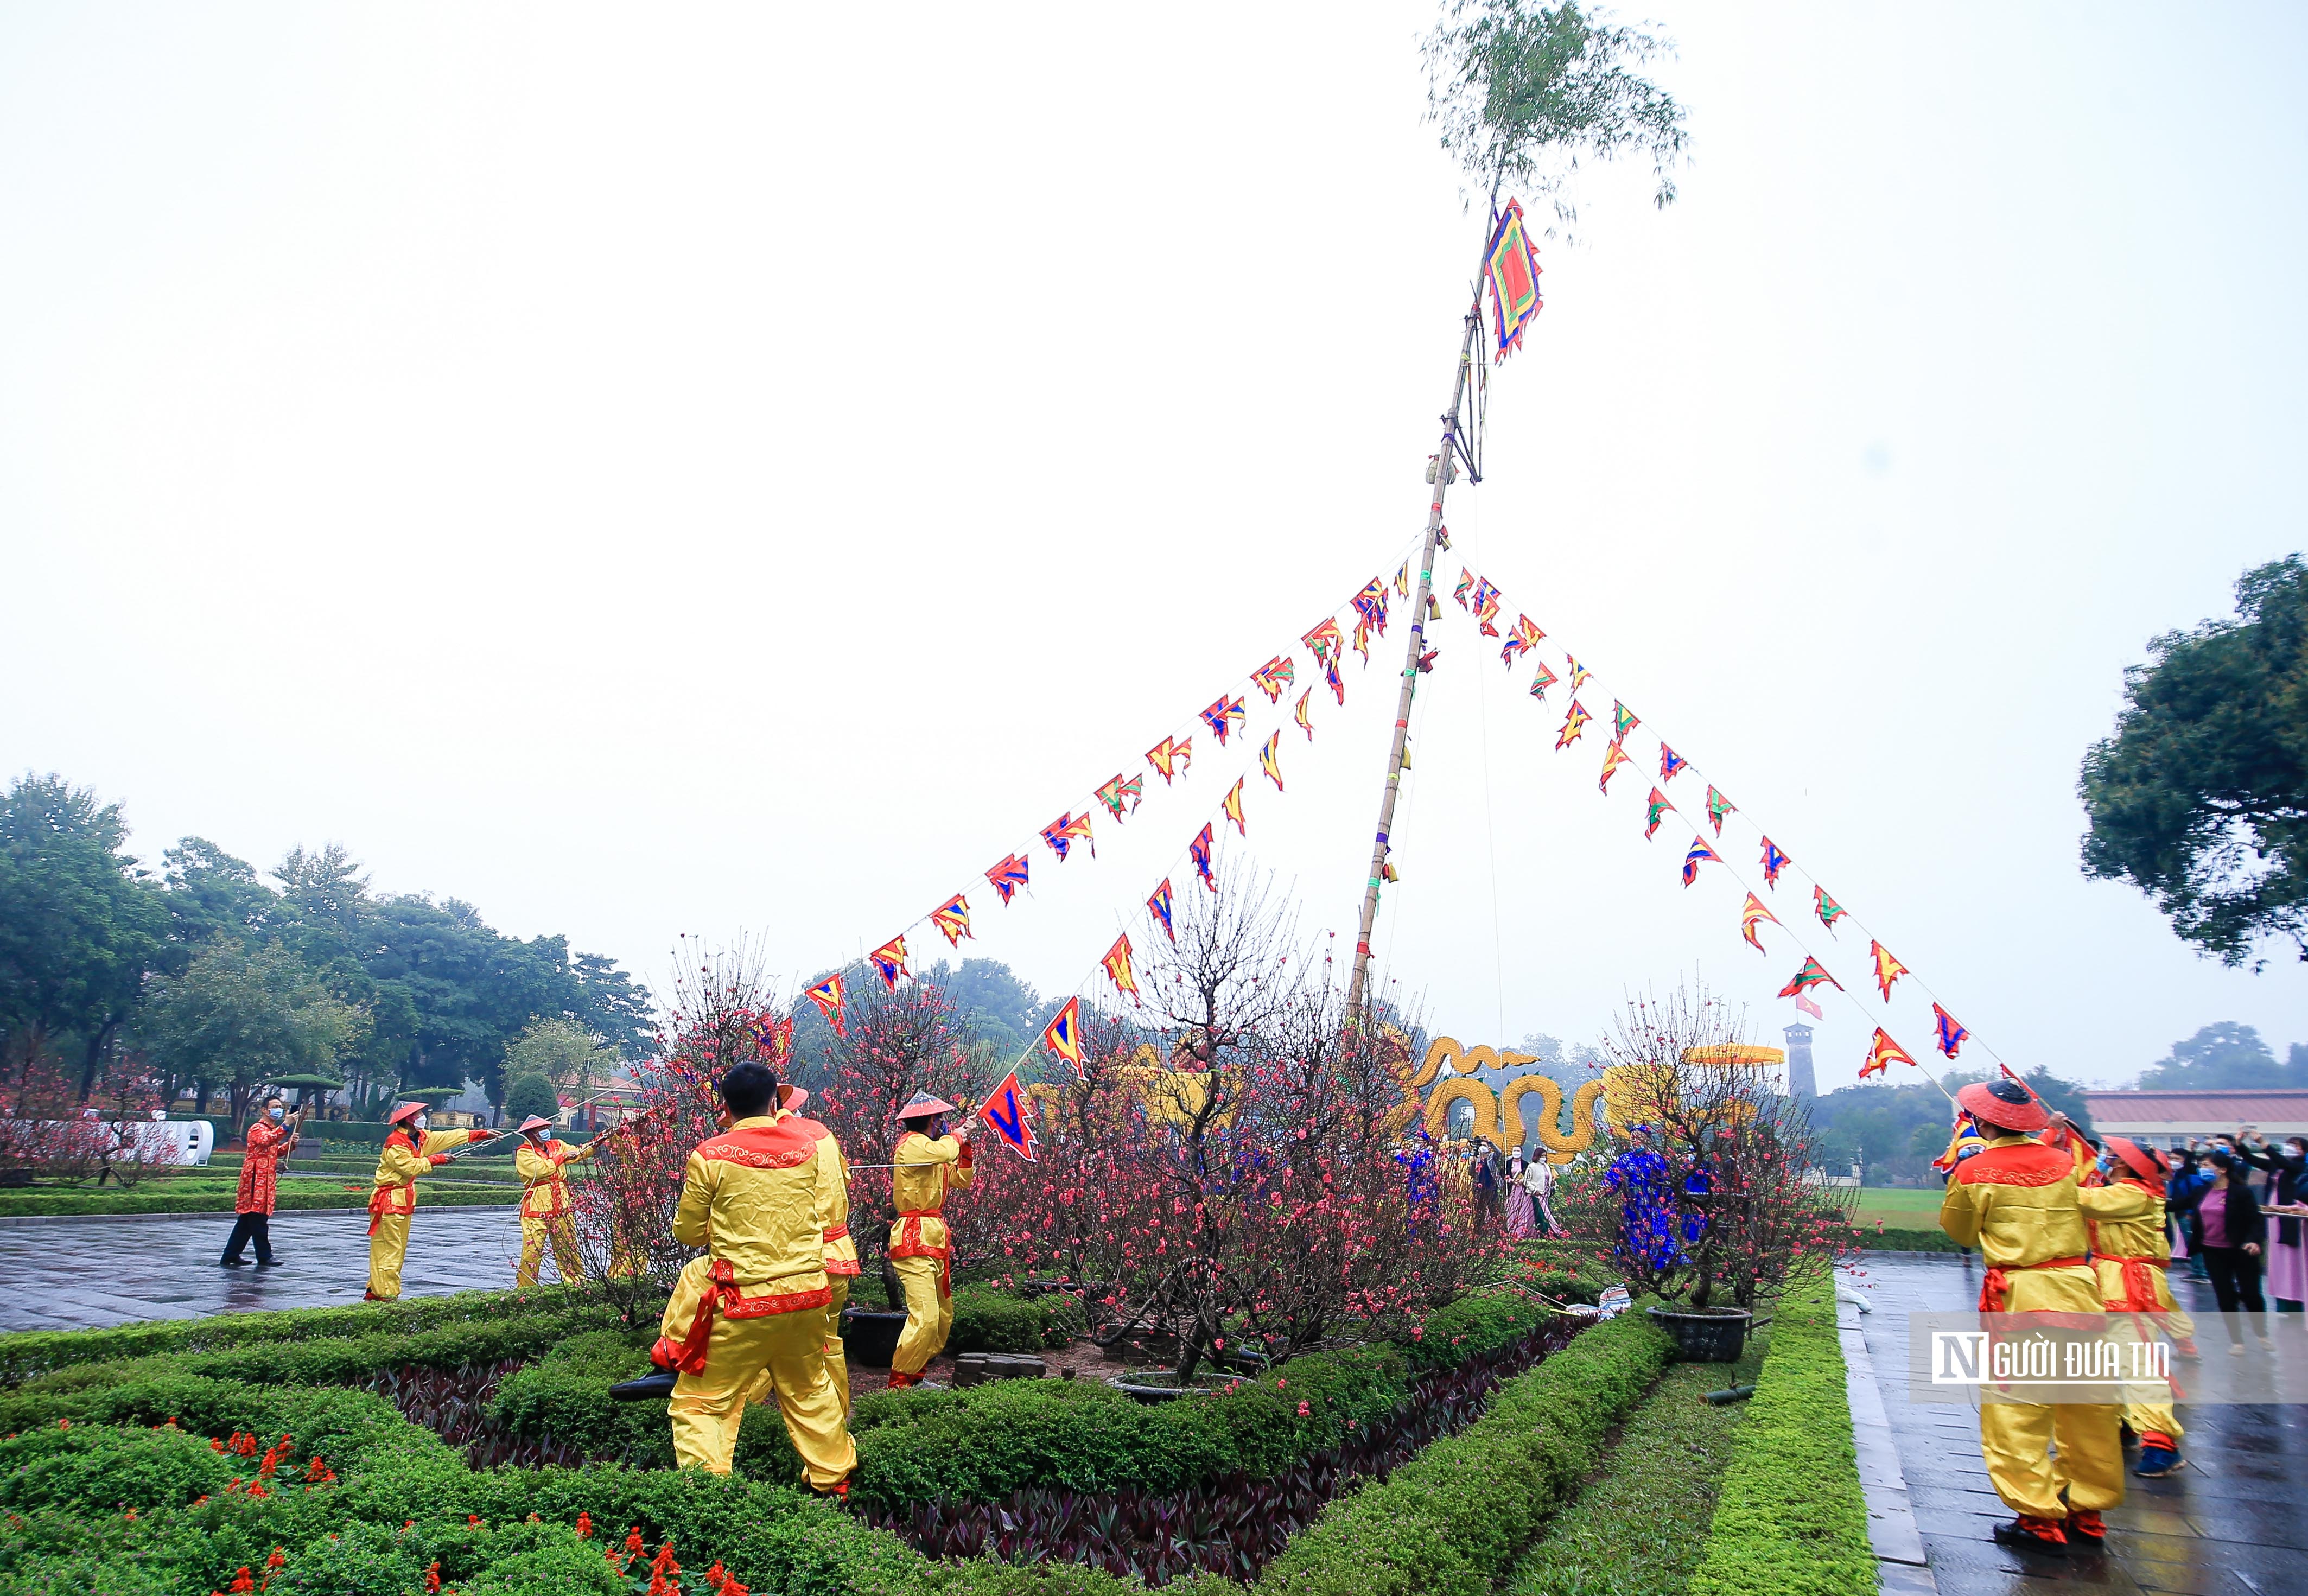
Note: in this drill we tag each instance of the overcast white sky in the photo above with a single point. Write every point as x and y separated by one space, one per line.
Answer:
734 468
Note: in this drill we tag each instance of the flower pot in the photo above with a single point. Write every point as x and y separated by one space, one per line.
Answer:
1708 1335
870 1339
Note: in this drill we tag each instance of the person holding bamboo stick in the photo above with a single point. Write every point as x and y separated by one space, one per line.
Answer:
410 1152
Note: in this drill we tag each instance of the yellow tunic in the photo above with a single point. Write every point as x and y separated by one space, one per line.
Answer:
393 1202
921 1244
2130 1251
544 1193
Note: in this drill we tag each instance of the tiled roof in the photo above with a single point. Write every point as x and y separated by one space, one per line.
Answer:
2251 1106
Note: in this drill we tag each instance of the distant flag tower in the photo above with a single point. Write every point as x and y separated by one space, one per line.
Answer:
1813 974
1224 716
1006 1114
1540 683
1062 1036
1700 854
1158 907
1170 758
1951 1034
1008 876
1671 763
1751 916
1067 830
1613 758
1883 1053
1117 968
1574 724
1774 861
1657 809
1115 791
1232 806
1888 970
952 918
888 962
1828 909
1199 849
827 996
1269 761
1305 724
1718 806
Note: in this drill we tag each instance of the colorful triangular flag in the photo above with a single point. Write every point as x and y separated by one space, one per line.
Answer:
1269 761
1337 684
1158 907
1005 1114
1623 720
1774 861
888 962
1700 854
1803 1002
1301 717
1883 1053
1223 717
1888 970
1117 968
1613 758
1520 640
1170 757
1671 763
1827 908
1115 792
1008 876
1655 807
1574 724
1067 830
952 918
1580 675
1812 973
1402 580
1951 1034
1231 806
1466 585
1487 607
1062 1036
1275 675
1200 850
827 996
1718 806
1540 683
1323 641
1752 915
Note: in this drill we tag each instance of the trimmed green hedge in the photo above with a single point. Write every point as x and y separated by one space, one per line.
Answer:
985 1320
219 1199
29 1354
1450 1522
1792 1520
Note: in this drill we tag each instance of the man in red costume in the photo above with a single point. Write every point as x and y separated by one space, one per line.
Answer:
272 1137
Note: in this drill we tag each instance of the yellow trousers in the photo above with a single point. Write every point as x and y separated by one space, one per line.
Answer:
535 1233
837 1357
388 1247
2017 1439
929 1313
790 1348
2146 1418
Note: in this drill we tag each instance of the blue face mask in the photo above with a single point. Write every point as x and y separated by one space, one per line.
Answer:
276 1111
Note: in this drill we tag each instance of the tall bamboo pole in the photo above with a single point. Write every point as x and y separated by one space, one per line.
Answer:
1359 1000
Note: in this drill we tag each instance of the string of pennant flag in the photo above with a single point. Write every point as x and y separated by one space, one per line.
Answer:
1486 603
1171 758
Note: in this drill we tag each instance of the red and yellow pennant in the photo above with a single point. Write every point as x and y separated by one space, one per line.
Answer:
1170 757
952 918
1117 968
1752 915
1883 1053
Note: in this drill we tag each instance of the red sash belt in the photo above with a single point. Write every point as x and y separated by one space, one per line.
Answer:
833 1265
2139 1285
381 1202
908 1243
722 1296
1996 1286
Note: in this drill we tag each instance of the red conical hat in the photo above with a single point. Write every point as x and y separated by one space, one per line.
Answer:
2145 1161
2006 1105
922 1105
406 1111
791 1098
535 1122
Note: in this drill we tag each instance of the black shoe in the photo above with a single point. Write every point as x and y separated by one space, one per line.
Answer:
234 1263
654 1387
2041 1535
268 1262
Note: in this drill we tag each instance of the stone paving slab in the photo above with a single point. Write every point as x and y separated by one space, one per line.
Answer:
2234 1521
118 1270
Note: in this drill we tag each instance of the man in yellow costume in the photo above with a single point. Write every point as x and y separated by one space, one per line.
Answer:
2125 1212
930 1161
2016 1200
546 1214
840 1251
410 1151
752 1197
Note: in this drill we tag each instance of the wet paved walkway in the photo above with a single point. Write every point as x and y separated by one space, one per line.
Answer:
83 1274
2233 1520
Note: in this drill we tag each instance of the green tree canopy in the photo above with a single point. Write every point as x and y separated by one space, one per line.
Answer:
528 1094
79 927
245 1015
574 1059
2200 798
2226 1057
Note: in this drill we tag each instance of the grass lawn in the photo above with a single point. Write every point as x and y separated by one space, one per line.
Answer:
1899 1209
1639 1527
